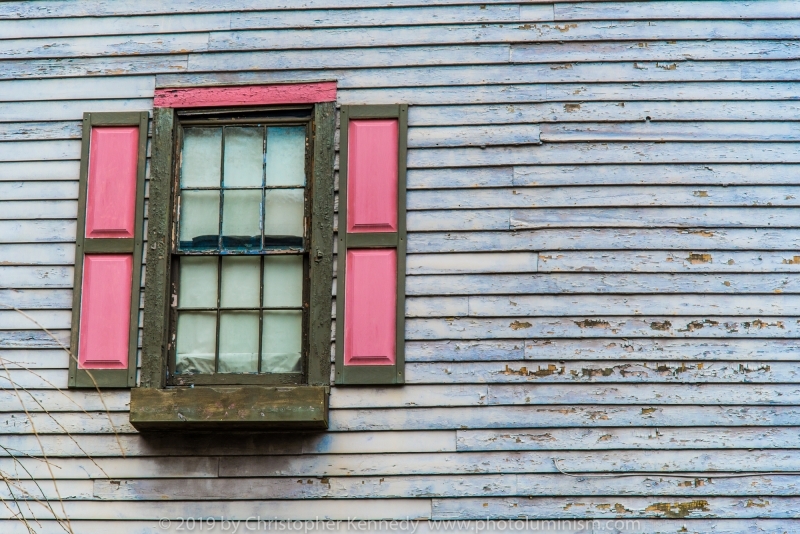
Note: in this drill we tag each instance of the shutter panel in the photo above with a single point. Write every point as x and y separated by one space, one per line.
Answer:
370 305
108 250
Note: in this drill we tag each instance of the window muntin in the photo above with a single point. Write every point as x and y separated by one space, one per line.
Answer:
240 267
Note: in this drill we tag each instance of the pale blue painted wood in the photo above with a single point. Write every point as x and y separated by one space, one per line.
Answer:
715 9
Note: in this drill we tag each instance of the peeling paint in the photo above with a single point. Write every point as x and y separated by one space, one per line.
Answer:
697 258
678 510
520 325
593 323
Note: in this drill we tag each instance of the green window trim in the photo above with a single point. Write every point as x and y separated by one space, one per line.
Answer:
154 406
110 378
372 374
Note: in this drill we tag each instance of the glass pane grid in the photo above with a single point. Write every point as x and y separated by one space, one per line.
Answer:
240 314
253 185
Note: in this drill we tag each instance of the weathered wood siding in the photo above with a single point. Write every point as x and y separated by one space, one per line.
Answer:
603 268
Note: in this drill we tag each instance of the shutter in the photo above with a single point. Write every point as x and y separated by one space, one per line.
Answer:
370 305
108 250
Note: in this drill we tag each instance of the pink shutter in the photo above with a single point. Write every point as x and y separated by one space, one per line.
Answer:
372 175
111 194
371 304
105 311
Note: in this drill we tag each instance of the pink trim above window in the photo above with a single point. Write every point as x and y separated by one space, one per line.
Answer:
370 325
111 197
245 95
105 311
372 175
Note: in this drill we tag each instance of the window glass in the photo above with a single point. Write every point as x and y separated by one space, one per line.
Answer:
240 254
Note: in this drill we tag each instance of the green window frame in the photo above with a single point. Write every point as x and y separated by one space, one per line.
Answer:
166 400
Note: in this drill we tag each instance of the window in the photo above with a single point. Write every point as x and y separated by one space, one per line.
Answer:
240 260
237 304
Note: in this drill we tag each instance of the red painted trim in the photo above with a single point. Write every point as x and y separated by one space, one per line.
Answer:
245 95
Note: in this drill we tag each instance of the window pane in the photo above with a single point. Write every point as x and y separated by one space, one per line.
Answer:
283 281
282 342
286 155
198 284
241 214
244 156
196 342
240 287
238 342
199 219
201 156
283 218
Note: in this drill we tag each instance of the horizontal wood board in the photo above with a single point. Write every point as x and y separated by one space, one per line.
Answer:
603 270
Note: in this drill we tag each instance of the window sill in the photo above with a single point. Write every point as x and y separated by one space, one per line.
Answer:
230 408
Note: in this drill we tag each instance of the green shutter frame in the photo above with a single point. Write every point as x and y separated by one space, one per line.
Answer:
372 374
111 378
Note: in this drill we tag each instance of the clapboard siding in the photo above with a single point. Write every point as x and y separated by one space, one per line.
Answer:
603 267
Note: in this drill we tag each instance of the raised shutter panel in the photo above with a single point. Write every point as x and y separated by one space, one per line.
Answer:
108 251
372 242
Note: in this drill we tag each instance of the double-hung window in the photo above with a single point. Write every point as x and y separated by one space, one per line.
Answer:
240 260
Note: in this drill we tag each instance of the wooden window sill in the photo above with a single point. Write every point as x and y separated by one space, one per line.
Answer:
229 408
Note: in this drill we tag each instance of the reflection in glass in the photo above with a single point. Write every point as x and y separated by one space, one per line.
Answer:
196 341
198 282
199 219
283 218
238 342
286 155
200 157
240 287
283 281
241 214
282 341
244 156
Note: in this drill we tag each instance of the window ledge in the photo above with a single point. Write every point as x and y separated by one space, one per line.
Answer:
229 407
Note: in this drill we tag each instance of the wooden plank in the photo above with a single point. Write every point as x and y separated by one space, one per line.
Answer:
36 277
508 462
96 45
501 417
116 87
162 444
45 170
91 423
86 468
572 92
57 320
420 351
628 438
445 136
374 77
34 359
35 340
39 210
671 50
662 261
349 397
521 284
732 239
671 131
617 327
493 262
25 490
605 371
38 254
661 349
37 298
38 190
47 9
617 111
458 220
350 58
39 150
721 174
39 131
582 153
69 110
103 66
239 511
557 305
37 231
561 508
306 488
770 9
643 394
607 196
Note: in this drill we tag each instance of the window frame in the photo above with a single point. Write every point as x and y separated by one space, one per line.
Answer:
202 119
157 406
